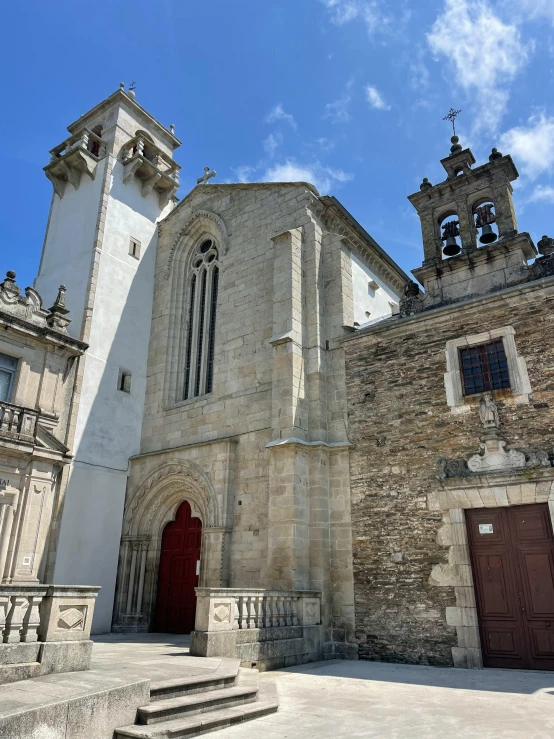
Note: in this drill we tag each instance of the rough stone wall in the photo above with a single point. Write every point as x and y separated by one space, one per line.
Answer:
401 426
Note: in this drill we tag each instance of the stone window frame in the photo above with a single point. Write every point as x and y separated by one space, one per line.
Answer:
198 346
520 387
134 248
124 381
12 370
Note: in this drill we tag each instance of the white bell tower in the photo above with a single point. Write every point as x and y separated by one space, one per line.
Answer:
114 178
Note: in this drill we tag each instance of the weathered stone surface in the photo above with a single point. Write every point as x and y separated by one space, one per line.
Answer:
408 425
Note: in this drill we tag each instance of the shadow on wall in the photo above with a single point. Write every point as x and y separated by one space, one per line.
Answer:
525 682
93 509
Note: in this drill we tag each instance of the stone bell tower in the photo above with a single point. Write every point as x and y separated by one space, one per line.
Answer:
470 236
114 178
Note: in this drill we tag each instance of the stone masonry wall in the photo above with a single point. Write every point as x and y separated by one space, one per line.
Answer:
401 426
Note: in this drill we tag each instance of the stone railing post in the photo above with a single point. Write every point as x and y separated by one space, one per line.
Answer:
14 619
31 622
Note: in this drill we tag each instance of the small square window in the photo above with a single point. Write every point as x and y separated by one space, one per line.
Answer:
484 367
124 381
134 248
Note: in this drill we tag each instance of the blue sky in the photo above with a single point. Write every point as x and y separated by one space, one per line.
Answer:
349 94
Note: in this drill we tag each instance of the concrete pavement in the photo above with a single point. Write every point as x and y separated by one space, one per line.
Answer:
336 700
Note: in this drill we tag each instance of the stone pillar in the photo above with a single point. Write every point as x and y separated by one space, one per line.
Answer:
214 558
506 220
130 590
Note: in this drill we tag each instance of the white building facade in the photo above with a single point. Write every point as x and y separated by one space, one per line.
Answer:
114 178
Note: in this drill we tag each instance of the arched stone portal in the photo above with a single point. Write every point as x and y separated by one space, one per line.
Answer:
149 508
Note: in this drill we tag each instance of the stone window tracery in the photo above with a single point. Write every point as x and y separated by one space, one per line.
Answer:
203 283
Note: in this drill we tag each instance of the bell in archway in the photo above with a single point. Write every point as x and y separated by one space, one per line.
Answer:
450 231
451 247
487 234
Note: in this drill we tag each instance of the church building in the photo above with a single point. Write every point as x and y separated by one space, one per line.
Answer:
259 430
451 420
211 448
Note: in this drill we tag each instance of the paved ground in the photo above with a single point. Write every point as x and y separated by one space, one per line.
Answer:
336 700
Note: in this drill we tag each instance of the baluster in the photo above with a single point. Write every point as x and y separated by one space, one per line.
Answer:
251 611
275 611
244 612
14 620
4 605
5 419
31 622
15 421
281 610
294 609
140 146
287 607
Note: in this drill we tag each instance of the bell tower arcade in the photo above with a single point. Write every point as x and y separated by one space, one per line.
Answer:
471 242
114 178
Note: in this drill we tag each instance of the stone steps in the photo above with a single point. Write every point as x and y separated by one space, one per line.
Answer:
196 703
188 707
162 689
21 671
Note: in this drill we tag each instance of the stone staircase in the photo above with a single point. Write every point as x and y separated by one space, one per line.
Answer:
190 706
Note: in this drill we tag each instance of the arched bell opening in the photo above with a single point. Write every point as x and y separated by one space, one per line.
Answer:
449 225
485 221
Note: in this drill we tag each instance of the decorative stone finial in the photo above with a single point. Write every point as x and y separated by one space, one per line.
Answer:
495 154
172 128
8 287
122 86
546 246
456 146
58 312
425 185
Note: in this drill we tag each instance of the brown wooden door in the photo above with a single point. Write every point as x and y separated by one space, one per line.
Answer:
176 601
512 556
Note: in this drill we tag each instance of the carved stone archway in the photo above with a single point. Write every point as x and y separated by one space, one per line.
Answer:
148 509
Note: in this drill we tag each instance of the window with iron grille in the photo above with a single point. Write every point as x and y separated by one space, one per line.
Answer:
484 367
202 305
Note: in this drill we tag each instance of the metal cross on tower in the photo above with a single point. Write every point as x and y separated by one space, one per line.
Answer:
206 176
451 116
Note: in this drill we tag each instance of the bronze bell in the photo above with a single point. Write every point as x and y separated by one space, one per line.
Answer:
451 247
487 234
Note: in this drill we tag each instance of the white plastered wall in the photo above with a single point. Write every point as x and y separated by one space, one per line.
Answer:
370 294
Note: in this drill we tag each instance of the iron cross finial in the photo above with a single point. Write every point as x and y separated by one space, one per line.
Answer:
132 86
206 176
451 116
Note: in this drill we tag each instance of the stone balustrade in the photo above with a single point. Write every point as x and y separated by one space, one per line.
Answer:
262 628
226 609
86 140
18 422
45 613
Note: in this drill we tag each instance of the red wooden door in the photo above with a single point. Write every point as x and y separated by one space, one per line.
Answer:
512 555
178 575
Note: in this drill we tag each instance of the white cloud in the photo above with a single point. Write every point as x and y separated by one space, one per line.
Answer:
369 11
278 114
532 146
375 99
485 53
322 177
244 173
338 110
534 9
543 193
272 142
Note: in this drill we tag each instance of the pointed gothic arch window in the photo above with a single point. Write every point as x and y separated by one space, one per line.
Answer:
203 283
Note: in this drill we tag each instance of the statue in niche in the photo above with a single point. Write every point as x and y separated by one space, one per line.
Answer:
488 412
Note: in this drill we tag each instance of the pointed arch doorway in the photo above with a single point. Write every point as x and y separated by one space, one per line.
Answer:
178 573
